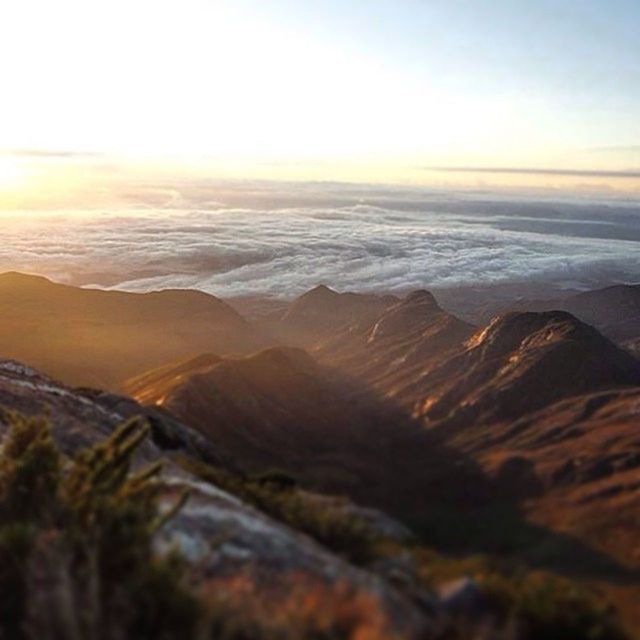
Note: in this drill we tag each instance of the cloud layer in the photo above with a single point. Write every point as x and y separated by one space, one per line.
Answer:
282 242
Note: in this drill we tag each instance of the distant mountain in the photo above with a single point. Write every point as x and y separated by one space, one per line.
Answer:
321 312
100 338
442 369
615 311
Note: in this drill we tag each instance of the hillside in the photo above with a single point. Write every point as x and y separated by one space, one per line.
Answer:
613 310
385 342
515 441
280 409
522 362
256 554
101 338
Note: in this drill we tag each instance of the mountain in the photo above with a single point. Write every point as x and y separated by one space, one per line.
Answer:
533 430
272 409
281 410
444 370
394 349
345 573
520 363
320 312
236 555
101 338
532 438
615 310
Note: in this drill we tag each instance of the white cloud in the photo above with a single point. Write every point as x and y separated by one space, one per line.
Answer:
351 239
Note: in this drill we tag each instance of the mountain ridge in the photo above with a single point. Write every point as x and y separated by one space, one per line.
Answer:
100 338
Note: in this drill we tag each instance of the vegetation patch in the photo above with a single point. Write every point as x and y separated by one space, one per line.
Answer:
277 494
76 553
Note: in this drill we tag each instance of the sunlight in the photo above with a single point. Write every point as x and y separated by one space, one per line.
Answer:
12 173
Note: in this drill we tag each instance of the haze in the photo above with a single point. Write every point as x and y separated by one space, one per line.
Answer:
513 93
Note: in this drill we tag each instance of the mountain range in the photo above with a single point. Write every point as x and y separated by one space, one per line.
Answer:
515 437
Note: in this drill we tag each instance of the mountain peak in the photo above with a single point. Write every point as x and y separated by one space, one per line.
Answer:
282 357
523 361
506 332
421 296
318 292
413 314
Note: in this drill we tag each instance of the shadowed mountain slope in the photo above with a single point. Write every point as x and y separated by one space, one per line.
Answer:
275 408
576 467
100 338
279 409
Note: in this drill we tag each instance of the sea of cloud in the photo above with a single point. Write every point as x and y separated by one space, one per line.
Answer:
257 239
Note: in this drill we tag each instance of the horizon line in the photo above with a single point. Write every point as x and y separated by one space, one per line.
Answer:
587 173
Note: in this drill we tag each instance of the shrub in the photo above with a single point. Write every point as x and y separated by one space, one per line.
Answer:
553 608
522 603
76 553
327 520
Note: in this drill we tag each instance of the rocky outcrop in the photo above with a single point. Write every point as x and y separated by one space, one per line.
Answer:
221 537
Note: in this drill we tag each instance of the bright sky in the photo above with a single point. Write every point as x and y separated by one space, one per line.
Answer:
376 90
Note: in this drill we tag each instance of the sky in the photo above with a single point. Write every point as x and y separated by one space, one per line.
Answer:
449 92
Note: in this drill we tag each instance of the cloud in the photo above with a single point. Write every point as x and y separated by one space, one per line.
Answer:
284 240
49 153
631 148
585 173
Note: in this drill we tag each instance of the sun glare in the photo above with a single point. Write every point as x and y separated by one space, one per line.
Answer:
12 173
